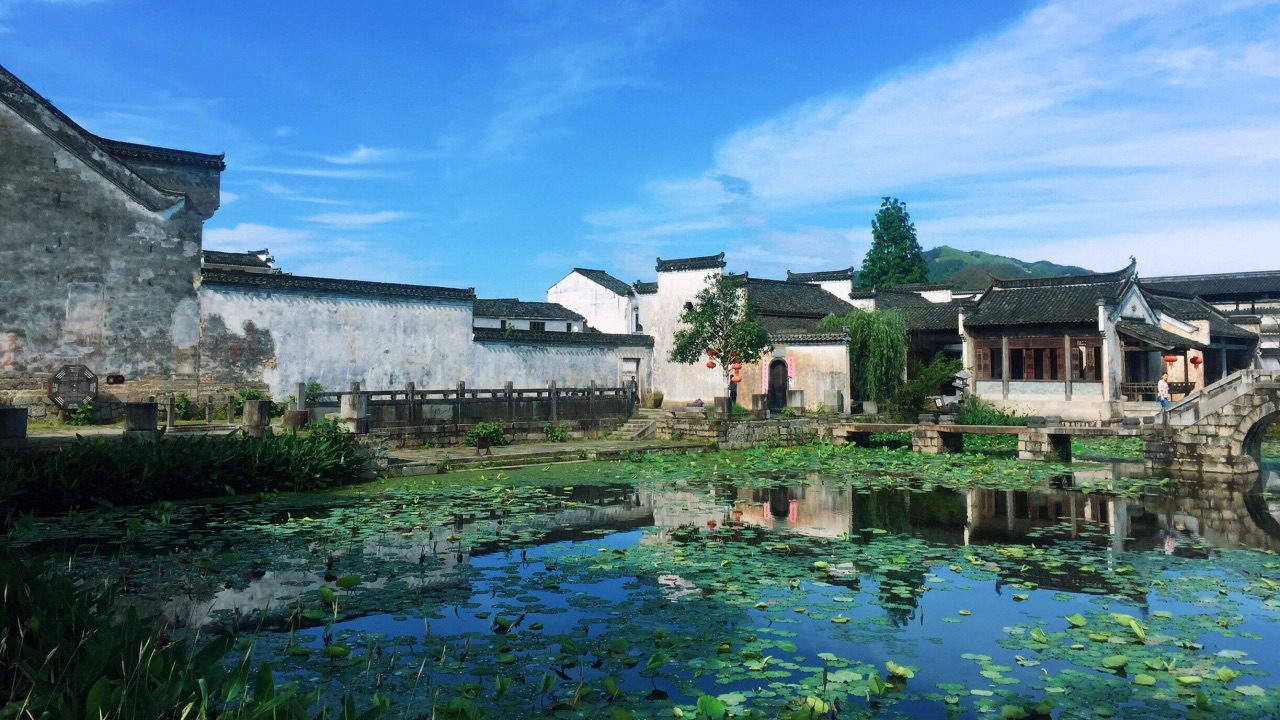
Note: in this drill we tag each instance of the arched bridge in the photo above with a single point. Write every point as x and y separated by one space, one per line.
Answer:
1218 430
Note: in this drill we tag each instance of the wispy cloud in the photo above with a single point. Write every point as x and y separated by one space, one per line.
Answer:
318 172
356 219
251 236
598 48
1085 124
364 156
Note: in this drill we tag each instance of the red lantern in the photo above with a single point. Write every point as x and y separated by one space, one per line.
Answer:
1196 361
736 366
710 352
734 378
711 363
1171 359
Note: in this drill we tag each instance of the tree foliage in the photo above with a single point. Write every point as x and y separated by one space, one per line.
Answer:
910 398
895 255
877 351
721 318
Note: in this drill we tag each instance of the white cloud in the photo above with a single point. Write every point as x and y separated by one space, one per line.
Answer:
251 236
227 197
356 219
363 156
1084 132
318 172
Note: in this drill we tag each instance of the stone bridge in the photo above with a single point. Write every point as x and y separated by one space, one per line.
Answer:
1219 430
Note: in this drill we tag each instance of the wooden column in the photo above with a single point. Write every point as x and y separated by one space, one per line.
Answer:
1004 366
1066 349
411 392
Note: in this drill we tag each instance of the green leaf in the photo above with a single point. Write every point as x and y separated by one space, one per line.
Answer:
711 708
264 688
1143 679
1250 690
1077 620
897 670
346 582
656 661
1114 661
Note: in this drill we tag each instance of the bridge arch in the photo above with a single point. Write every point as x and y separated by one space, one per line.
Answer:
1247 440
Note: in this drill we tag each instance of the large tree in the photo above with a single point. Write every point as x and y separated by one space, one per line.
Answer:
877 351
895 255
720 319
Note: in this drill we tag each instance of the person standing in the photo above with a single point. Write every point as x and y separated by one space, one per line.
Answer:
635 391
1162 391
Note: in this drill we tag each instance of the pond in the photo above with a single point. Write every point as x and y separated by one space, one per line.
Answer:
836 581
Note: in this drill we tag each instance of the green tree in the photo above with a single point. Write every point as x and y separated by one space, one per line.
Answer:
895 255
877 351
722 319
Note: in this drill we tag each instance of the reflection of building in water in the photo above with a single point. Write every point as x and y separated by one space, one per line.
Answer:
438 557
1197 513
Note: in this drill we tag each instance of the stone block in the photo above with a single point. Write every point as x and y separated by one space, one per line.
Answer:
13 423
141 416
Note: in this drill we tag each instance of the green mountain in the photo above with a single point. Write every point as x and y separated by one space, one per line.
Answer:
974 270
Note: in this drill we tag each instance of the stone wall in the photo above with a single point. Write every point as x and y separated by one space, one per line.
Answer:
782 431
452 434
97 259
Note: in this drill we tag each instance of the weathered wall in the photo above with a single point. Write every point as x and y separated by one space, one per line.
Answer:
604 309
679 383
532 364
88 274
280 338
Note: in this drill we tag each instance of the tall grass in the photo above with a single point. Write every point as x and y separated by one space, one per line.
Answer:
93 470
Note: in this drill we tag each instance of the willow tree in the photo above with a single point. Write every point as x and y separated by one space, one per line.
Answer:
722 320
877 351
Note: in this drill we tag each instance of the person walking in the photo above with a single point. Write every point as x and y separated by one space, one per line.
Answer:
1162 391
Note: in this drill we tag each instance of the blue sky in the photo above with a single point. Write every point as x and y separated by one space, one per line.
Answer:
497 145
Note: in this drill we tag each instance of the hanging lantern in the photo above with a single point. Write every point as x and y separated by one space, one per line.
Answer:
1196 361
1171 359
711 353
736 366
711 363
734 378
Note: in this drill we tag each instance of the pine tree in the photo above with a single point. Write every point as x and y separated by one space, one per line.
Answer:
895 255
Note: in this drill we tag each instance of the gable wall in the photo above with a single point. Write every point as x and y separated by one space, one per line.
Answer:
87 274
604 309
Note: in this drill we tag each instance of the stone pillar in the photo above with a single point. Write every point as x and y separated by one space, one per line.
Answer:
926 440
354 409
795 401
256 418
724 408
141 420
208 410
554 396
458 401
759 406
13 423
411 392
170 410
231 409
508 392
591 400
300 396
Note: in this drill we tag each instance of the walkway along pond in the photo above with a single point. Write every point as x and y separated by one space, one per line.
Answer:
845 581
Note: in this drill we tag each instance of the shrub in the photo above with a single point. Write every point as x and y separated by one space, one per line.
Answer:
492 431
93 470
975 411
82 415
554 433
909 399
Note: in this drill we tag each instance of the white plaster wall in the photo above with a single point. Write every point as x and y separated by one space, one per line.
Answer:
839 288
679 383
604 309
523 324
530 365
336 340
942 295
822 371
1048 398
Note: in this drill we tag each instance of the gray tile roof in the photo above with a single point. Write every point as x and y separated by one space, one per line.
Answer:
256 259
512 308
1069 299
1158 337
1262 284
790 299
1193 308
645 288
134 151
822 276
818 338
705 262
535 337
315 285
605 280
936 317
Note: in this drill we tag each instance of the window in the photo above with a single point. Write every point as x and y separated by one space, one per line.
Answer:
503 325
568 327
538 325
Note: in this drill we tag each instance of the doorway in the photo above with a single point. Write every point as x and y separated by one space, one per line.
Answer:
777 384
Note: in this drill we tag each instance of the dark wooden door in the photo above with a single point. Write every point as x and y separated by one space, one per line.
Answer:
777 384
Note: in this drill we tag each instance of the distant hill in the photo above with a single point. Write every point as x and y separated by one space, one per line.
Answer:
973 270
